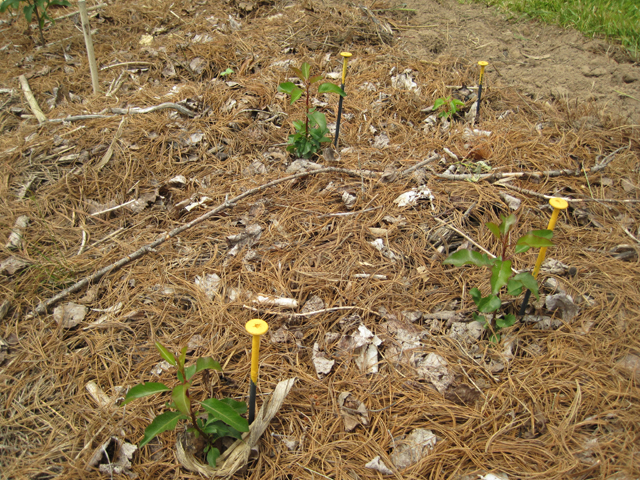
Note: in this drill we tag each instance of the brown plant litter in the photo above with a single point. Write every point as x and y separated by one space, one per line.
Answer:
156 203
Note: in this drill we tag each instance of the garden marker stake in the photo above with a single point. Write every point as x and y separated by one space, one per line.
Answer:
558 204
345 59
255 327
482 67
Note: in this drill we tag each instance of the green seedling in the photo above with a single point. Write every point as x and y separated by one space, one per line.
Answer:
218 419
448 106
312 132
228 71
37 8
501 273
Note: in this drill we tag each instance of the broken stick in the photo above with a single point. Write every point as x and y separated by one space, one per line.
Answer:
31 100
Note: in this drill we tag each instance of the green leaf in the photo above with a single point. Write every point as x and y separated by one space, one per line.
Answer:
475 295
28 12
495 338
500 274
315 79
212 456
489 304
506 322
144 390
228 71
180 399
507 224
456 103
465 257
305 69
287 87
534 241
207 363
331 88
295 95
438 103
529 282
548 234
182 357
166 354
189 372
495 229
521 248
514 287
480 319
298 72
239 407
319 119
162 423
225 413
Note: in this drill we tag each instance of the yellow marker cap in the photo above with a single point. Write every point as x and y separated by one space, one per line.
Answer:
346 54
257 326
483 63
558 203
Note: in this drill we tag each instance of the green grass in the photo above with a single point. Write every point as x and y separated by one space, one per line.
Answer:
617 20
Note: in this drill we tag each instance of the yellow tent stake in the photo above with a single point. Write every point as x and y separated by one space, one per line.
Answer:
256 327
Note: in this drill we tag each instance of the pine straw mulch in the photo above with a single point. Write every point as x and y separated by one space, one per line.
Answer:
561 406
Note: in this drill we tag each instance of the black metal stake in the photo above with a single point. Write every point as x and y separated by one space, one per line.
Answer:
345 57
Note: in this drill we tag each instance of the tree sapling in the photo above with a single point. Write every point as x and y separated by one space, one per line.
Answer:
222 416
311 133
501 274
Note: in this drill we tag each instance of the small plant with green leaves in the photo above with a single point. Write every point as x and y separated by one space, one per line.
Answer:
501 274
37 8
219 418
448 106
312 132
228 71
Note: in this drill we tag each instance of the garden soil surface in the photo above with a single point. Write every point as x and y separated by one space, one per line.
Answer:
166 208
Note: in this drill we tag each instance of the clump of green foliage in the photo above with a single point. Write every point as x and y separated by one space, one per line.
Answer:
222 416
501 274
448 106
37 8
311 132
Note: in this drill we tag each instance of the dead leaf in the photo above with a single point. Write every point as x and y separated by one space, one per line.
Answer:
512 202
197 65
300 166
143 201
411 198
322 364
98 395
349 200
120 460
15 239
69 315
249 237
630 363
377 464
413 448
12 265
563 302
4 308
209 284
462 394
433 368
353 411
314 304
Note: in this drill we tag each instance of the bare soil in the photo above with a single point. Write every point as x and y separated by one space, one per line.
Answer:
181 224
544 62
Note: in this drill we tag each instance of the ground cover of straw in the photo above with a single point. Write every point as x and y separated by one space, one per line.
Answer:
561 408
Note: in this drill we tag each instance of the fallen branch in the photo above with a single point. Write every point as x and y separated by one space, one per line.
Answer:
89 9
31 100
421 164
476 177
43 306
127 111
162 106
570 200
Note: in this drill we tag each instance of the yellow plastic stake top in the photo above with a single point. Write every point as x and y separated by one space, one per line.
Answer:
256 327
482 64
345 57
558 204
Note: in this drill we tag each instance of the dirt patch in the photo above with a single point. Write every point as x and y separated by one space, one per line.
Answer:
544 62
172 198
